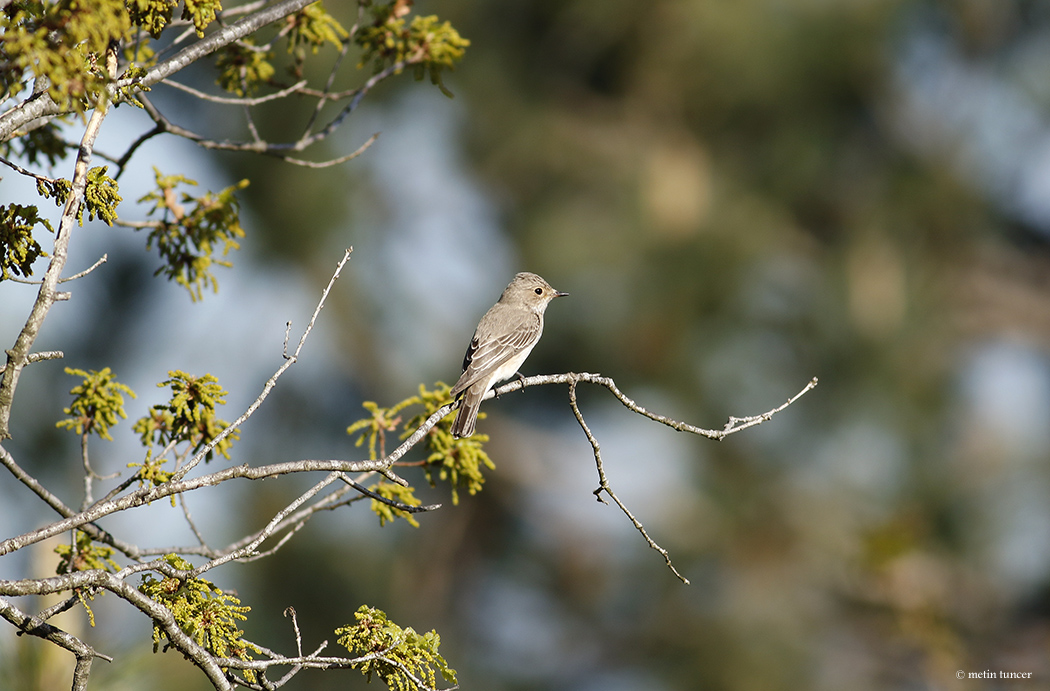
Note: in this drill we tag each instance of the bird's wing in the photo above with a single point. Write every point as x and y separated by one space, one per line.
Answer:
486 354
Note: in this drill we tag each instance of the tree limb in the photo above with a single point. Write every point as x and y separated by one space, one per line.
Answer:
48 293
84 653
41 105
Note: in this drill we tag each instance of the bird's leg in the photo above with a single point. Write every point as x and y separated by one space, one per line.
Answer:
517 375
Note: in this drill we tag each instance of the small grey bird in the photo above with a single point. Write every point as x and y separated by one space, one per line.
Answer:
504 338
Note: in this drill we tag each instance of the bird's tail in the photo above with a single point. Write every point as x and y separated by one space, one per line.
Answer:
467 417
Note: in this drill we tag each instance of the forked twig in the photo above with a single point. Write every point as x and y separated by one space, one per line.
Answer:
603 485
734 425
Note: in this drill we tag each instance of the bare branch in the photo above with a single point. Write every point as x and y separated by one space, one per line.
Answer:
249 549
238 101
733 426
189 520
255 556
102 260
389 502
335 161
290 612
63 606
325 94
736 424
604 484
36 627
96 533
37 357
334 467
89 474
308 138
27 173
122 162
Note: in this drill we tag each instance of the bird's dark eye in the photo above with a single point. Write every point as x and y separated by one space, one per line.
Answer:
539 291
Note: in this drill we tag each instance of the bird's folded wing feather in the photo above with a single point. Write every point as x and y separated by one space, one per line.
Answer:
485 356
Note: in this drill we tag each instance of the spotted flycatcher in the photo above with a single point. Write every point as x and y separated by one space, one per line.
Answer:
504 338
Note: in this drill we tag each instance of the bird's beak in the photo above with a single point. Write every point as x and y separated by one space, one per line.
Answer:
560 294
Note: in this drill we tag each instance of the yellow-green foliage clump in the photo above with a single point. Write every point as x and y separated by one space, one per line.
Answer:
152 472
85 555
63 42
100 196
37 144
310 29
202 610
189 417
192 229
393 653
243 68
398 493
426 43
98 403
456 461
18 248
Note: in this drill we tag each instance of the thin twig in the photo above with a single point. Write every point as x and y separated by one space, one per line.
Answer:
189 520
237 101
407 508
290 612
122 162
323 98
96 533
334 161
250 548
63 606
280 543
283 150
149 494
89 474
272 381
603 485
102 260
28 173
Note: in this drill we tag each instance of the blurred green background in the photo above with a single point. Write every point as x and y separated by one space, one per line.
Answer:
739 196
